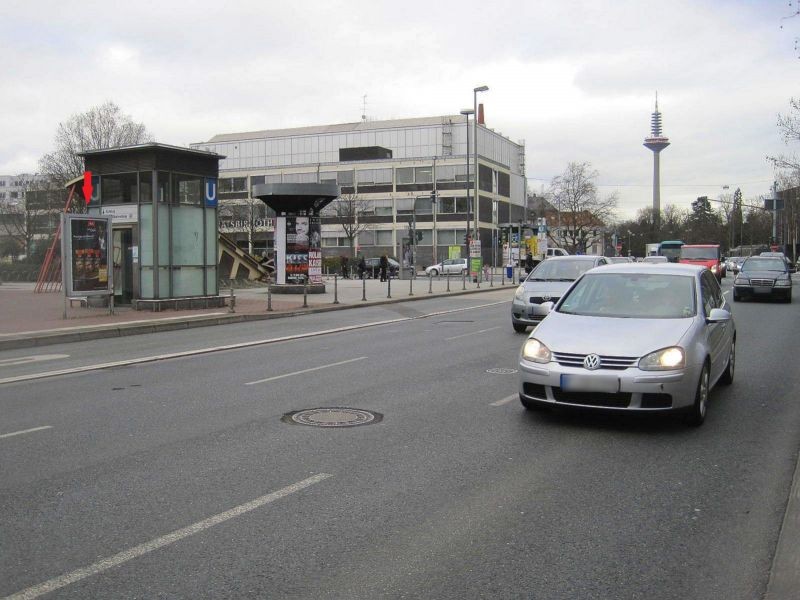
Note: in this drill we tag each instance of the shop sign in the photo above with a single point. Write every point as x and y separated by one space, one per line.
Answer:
121 213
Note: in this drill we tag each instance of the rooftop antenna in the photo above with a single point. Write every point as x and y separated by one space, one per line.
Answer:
364 108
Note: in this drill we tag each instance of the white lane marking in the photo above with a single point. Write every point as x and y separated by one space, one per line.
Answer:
13 433
111 325
170 538
336 364
728 292
22 360
505 400
455 337
188 353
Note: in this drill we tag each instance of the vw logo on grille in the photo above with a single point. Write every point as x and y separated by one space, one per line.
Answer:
591 362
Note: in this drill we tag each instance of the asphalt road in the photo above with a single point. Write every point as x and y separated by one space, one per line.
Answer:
179 478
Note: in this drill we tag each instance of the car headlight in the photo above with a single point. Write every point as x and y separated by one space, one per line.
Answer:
520 293
536 351
783 282
664 360
741 281
713 268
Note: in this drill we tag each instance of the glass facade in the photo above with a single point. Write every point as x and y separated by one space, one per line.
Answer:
427 155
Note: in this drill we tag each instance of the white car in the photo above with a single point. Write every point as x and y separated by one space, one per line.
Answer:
655 259
453 266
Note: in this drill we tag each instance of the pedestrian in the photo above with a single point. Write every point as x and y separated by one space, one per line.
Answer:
384 266
362 267
343 261
529 263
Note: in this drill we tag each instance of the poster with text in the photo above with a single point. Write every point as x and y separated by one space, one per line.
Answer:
85 249
297 246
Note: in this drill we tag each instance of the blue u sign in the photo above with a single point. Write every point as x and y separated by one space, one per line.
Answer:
211 192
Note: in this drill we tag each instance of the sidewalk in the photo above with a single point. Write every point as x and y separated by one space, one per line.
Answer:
31 319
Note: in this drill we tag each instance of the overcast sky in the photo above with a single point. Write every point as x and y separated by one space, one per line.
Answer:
575 80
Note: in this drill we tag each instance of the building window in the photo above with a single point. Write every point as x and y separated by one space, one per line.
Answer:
404 175
334 242
186 189
344 178
485 178
308 177
503 184
383 208
366 238
452 205
227 185
450 237
423 174
119 189
374 177
405 206
383 238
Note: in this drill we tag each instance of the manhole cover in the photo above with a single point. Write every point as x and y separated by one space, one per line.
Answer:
332 417
501 371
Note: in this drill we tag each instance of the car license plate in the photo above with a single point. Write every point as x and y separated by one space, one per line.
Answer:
590 383
762 290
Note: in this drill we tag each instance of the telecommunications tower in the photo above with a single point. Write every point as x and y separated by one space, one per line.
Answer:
656 142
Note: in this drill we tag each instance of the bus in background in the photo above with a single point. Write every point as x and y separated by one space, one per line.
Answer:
671 249
652 249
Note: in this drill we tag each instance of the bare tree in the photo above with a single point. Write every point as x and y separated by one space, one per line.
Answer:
349 211
28 227
103 126
582 212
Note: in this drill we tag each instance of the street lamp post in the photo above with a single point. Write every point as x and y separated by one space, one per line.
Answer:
467 112
482 88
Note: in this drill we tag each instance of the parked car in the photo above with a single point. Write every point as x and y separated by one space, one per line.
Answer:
613 260
647 338
374 267
546 283
655 259
734 263
453 266
763 277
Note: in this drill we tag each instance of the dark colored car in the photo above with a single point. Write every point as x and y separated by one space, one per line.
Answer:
763 277
374 267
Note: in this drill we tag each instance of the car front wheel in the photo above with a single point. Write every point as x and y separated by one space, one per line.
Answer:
434 273
697 413
727 374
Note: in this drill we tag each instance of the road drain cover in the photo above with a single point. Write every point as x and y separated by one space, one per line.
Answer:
332 417
501 371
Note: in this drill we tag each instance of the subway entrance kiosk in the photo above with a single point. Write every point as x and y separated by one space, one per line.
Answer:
162 202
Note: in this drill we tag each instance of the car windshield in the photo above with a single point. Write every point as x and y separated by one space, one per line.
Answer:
764 264
700 253
560 270
631 295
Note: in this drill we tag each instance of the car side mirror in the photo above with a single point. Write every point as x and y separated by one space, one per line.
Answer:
718 315
547 307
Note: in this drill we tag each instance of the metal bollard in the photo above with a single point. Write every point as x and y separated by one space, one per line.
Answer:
463 280
335 288
448 282
491 277
478 278
269 297
305 293
230 305
430 283
363 290
410 286
503 276
389 287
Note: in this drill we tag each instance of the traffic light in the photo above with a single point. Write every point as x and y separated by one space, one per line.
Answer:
466 239
419 236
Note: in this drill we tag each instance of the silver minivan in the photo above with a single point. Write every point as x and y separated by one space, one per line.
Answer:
453 266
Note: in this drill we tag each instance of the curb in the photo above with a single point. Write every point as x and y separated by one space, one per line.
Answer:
784 577
122 330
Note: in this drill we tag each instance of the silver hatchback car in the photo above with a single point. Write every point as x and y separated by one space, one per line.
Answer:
632 338
546 283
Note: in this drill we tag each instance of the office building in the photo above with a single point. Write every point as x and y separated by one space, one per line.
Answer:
393 169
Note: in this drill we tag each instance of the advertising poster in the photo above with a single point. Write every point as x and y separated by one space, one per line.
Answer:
454 252
85 249
297 246
315 250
